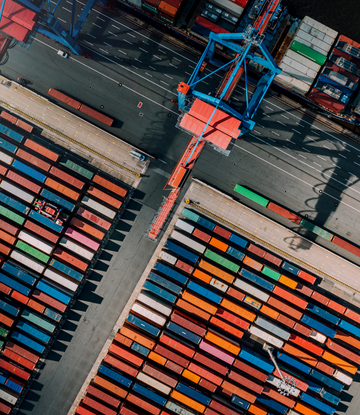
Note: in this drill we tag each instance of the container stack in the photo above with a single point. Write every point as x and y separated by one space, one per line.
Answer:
55 216
165 10
307 53
192 341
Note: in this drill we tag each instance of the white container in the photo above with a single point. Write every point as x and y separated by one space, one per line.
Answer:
98 207
155 305
319 26
303 60
276 382
36 242
312 31
299 68
292 412
219 285
148 314
268 338
292 71
188 242
272 328
184 226
7 397
30 263
167 257
179 410
153 383
64 282
5 158
16 191
247 288
340 376
76 248
292 83
229 6
317 336
313 42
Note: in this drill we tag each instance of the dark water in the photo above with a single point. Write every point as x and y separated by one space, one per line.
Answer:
341 15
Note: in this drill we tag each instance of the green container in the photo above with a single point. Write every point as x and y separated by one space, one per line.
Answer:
11 215
76 168
3 332
38 321
1 344
251 195
148 7
32 251
271 273
190 215
316 229
222 261
309 53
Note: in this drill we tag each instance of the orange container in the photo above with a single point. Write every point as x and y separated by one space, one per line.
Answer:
120 365
191 376
238 391
41 150
137 337
202 276
5 289
269 312
126 355
191 309
308 359
110 386
67 178
157 358
320 298
216 271
252 263
240 311
336 307
87 228
235 293
7 238
7 321
36 306
191 403
70 259
271 393
123 340
223 343
19 359
205 374
255 410
110 186
226 327
33 160
19 297
167 9
305 410
244 381
306 344
192 299
286 295
348 339
176 345
62 189
4 249
221 246
342 351
146 406
352 315
3 170
342 364
104 197
288 282
306 276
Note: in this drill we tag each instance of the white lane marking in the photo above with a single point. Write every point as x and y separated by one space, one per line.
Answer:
103 20
271 140
127 41
292 142
157 57
301 155
130 34
117 57
275 133
107 44
179 60
168 76
148 74
191 66
134 66
111 33
164 82
287 148
204 82
346 149
122 52
173 65
162 51
326 147
61 20
266 115
93 24
284 116
187 73
88 42
317 164
138 60
305 149
103 50
269 108
91 35
67 10
161 172
152 68
281 123
299 125
143 50
118 28
357 163
162 161
257 123
144 41
237 100
322 158
295 131
309 138
342 155
257 132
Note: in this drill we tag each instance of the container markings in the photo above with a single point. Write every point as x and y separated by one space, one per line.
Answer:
342 155
295 131
275 133
127 41
285 116
281 123
111 33
305 149
92 23
144 50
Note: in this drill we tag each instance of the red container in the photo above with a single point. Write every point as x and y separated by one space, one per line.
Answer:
244 381
249 370
207 385
346 245
110 186
7 238
104 197
343 351
256 250
222 409
237 321
7 321
235 293
14 369
44 298
3 170
24 126
83 411
38 230
284 212
325 368
73 181
60 188
176 345
160 375
325 100
294 299
5 289
20 14
271 393
352 315
222 232
70 259
23 182
13 230
123 340
303 386
320 298
19 297
126 355
144 405
273 259
19 359
126 411
102 396
97 406
209 25
41 150
183 322
226 327
93 218
14 30
302 329
200 371
95 114
171 355
64 98
4 249
336 307
36 306
121 365
184 266
306 344
33 160
174 367
279 305
303 289
87 228
5 408
22 352
201 235
217 367
6 115
286 321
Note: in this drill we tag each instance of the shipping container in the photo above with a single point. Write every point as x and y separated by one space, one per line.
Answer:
110 186
91 203
188 401
226 327
60 188
223 342
210 295
235 253
272 328
190 215
341 363
10 282
322 328
216 352
33 160
288 282
40 231
13 203
284 308
216 243
155 384
5 226
238 240
25 260
49 300
193 310
286 295
305 344
147 314
184 266
36 242
188 323
320 298
57 200
177 276
64 283
295 364
181 362
45 221
256 360
84 240
143 325
163 294
5 158
252 263
342 351
271 273
323 314
7 397
8 131
53 291
240 311
346 379
165 256
201 235
128 356
76 168
67 178
316 403
38 321
216 271
26 341
248 288
221 260
96 115
70 259
76 249
307 277
244 381
256 250
97 406
197 373
30 250
29 171
120 379
109 386
251 195
162 282
256 279
16 191
66 270
41 150
266 337
93 218
104 197
102 396
11 148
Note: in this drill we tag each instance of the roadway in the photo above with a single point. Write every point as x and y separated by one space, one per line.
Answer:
289 158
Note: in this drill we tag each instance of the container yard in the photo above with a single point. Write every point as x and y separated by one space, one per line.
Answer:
214 299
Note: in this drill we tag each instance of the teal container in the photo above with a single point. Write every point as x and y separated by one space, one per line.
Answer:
11 215
38 321
3 332
271 273
316 229
251 195
190 215
76 168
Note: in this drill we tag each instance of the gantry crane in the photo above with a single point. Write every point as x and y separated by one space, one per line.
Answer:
209 117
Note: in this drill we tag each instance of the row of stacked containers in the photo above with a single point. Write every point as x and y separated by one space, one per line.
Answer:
45 253
191 342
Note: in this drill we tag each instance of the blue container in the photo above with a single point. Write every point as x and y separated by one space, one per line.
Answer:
184 253
238 241
18 273
29 329
140 349
14 386
316 325
349 328
45 221
143 325
52 314
7 146
66 270
164 269
293 362
164 283
10 133
256 279
314 387
53 292
270 403
14 284
182 332
193 393
165 295
241 403
59 201
323 314
146 393
204 292
14 204
206 223
235 253
120 379
32 344
317 404
29 171
3 377
4 306
201 30
290 268
256 360
327 380
330 397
